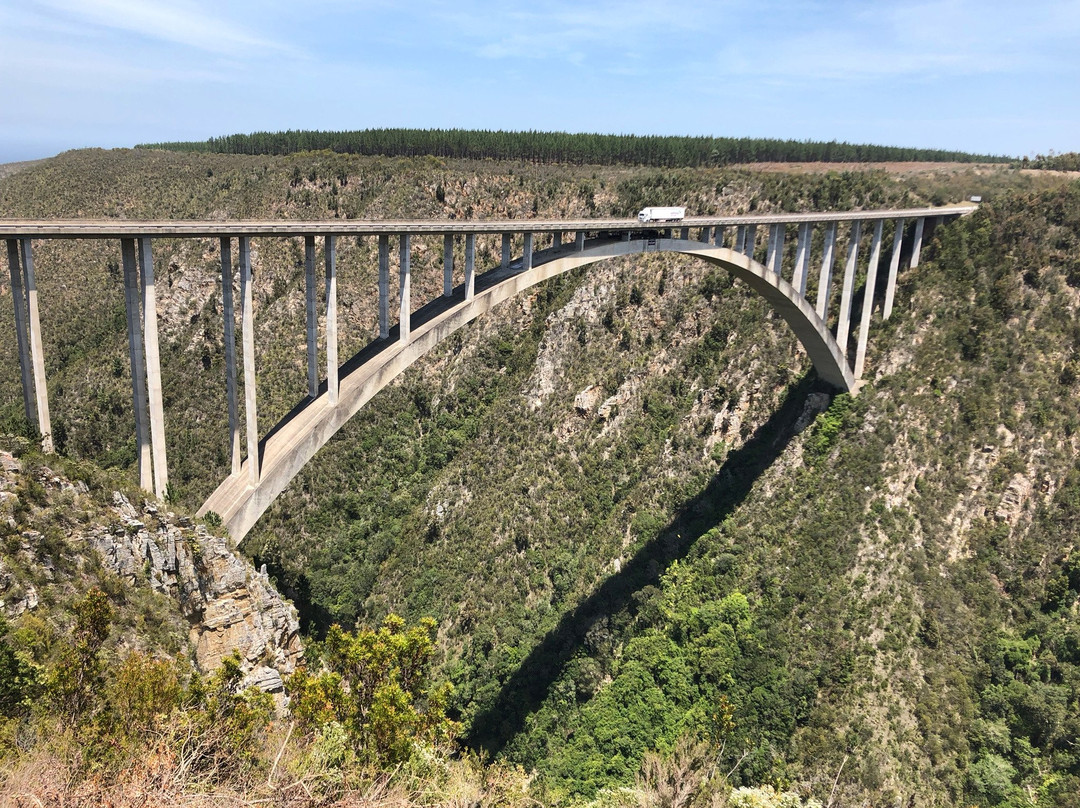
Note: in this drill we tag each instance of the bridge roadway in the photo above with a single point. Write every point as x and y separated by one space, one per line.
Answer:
131 228
272 462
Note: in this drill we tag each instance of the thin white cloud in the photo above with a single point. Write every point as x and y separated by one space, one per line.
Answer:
180 22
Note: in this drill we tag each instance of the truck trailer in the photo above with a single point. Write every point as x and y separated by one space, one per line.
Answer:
661 214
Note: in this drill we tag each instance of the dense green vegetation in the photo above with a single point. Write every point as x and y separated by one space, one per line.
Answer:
728 572
564 147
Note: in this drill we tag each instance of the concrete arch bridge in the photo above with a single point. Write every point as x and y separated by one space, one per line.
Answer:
751 248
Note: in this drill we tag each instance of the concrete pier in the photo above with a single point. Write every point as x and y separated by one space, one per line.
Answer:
740 239
579 240
706 235
405 289
802 259
868 298
135 354
230 354
153 370
37 353
247 337
448 265
776 248
916 247
843 321
718 235
18 299
505 250
312 317
556 239
384 286
894 268
330 250
751 241
825 278
527 254
470 266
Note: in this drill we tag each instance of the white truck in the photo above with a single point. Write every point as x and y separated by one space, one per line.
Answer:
661 214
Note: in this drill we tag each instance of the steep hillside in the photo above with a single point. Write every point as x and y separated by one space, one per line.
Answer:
632 513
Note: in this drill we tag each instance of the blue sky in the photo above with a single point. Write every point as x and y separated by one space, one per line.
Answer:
975 75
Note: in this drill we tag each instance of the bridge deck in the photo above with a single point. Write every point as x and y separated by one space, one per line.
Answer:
125 228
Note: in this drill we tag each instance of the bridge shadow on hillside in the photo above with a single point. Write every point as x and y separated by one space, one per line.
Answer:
527 688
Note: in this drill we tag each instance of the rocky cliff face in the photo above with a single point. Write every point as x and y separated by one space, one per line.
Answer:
229 606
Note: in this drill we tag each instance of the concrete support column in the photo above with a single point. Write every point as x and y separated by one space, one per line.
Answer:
384 286
470 265
843 322
135 353
825 278
802 259
916 247
868 298
247 337
579 240
556 239
718 235
505 250
37 353
894 268
751 238
230 353
153 369
626 235
684 233
775 255
312 317
18 299
448 265
405 283
330 249
706 234
527 254
740 239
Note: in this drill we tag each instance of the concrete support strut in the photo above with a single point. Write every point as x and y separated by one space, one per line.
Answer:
527 254
751 240
405 289
825 278
868 298
894 268
448 265
470 266
330 250
843 321
384 286
776 248
247 337
740 239
37 353
153 370
579 240
18 299
135 354
802 259
230 353
312 317
505 250
718 235
916 247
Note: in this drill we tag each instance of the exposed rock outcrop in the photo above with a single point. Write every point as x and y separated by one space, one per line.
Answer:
230 607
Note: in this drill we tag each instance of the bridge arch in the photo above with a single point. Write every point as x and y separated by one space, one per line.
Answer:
288 447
